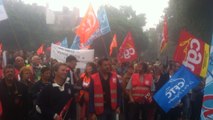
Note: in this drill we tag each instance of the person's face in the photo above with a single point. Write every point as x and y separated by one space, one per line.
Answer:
46 75
19 62
88 68
61 73
26 75
37 60
9 74
106 66
72 64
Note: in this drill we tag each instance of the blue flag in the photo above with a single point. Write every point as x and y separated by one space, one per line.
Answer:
178 86
207 108
64 43
103 20
76 43
104 29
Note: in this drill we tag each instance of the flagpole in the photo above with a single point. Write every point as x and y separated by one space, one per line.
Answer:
105 49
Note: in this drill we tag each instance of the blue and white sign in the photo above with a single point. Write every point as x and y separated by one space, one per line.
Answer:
178 86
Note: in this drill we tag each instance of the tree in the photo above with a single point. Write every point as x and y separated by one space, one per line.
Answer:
193 15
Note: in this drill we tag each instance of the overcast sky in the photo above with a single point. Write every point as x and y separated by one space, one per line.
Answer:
153 9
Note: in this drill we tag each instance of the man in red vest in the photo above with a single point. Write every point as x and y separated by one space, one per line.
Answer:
105 93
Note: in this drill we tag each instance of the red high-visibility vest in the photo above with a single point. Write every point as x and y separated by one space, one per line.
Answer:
85 83
141 91
99 95
86 80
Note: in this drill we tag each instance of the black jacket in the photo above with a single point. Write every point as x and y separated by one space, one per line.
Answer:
52 100
14 101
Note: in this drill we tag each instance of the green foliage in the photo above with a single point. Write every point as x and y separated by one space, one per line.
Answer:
194 16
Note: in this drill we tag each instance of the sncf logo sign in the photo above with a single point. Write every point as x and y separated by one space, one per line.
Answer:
194 57
172 91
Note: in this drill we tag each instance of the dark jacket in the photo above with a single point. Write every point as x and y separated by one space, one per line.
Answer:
52 100
14 101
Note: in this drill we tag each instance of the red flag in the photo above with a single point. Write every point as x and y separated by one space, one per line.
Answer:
127 50
88 25
113 44
40 50
1 48
193 53
164 35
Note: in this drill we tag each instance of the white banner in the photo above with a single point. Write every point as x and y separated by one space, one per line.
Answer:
60 53
3 14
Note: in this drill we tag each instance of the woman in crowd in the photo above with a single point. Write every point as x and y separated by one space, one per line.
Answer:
26 76
84 94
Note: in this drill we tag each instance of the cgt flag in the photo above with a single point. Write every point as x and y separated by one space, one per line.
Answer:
103 29
193 53
127 50
207 107
88 26
178 86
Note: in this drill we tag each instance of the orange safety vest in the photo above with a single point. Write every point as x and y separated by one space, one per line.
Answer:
86 80
85 84
99 94
141 91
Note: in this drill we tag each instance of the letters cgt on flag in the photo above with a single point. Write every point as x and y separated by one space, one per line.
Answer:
127 50
193 53
88 26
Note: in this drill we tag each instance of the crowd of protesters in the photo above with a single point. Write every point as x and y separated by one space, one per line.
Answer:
36 87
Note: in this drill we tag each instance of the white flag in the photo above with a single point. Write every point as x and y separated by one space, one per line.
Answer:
50 16
3 14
